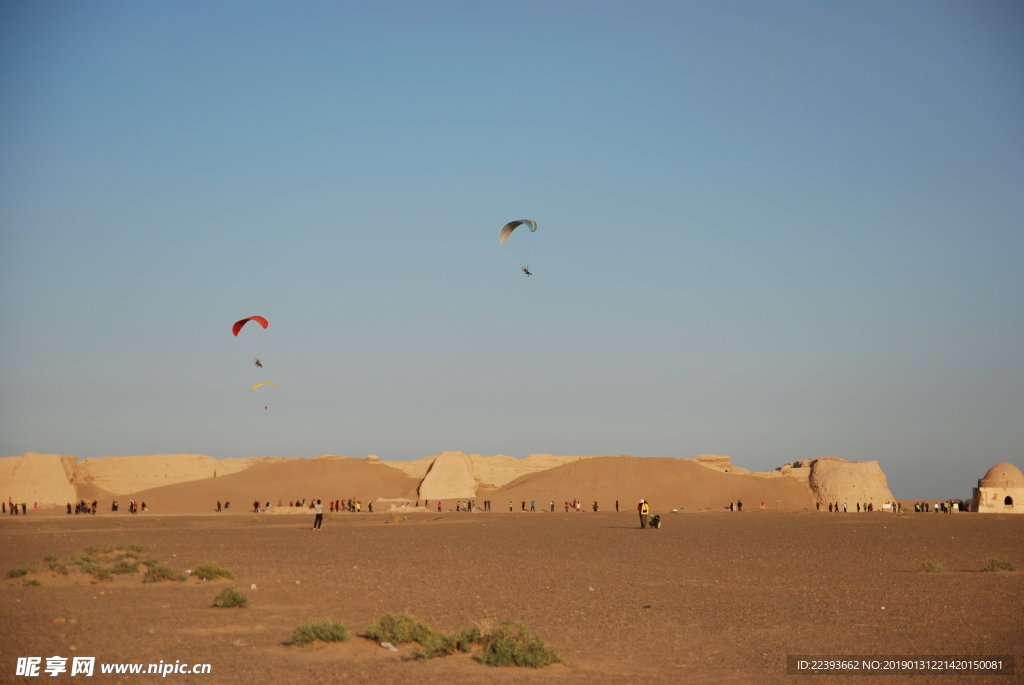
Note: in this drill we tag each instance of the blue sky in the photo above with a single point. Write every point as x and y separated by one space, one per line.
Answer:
769 230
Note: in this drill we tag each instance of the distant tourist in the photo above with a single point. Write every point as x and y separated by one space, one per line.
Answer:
69 507
218 505
533 505
644 510
319 509
439 506
616 506
595 505
739 505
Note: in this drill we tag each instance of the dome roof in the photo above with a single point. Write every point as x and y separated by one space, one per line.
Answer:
1002 473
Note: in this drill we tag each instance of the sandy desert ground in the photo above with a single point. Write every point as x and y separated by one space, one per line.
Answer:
712 597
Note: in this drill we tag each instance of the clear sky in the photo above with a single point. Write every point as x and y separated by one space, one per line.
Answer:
772 230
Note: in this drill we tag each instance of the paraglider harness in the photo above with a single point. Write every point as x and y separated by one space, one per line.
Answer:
655 521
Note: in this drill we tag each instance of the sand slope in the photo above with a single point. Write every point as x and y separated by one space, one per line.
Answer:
290 479
43 478
666 483
452 474
124 475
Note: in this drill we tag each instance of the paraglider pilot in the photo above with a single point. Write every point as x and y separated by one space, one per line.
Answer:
526 270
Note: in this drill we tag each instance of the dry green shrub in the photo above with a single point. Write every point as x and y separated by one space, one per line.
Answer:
511 644
19 572
158 572
212 571
323 629
229 598
930 567
30 582
125 566
397 628
995 564
82 559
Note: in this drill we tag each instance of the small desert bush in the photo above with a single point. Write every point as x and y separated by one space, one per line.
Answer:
229 598
999 565
397 628
125 566
50 558
438 644
31 582
123 548
323 629
511 644
930 567
158 572
394 518
19 572
82 559
212 571
58 567
90 550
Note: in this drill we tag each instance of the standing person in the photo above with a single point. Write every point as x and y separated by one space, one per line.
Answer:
844 507
24 508
319 509
739 505
533 505
552 506
510 506
642 509
438 506
35 508
616 506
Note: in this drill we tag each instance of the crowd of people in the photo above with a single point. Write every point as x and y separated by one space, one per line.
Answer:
11 507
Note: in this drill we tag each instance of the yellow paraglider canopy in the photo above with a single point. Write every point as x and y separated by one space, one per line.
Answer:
507 229
263 383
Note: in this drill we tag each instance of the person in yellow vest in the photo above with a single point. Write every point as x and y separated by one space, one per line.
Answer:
359 506
644 508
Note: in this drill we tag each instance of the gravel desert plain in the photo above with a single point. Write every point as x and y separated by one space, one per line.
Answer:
713 596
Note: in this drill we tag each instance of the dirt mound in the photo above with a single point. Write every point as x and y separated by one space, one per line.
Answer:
666 483
326 478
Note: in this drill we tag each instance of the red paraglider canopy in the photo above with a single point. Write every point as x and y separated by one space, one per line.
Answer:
258 319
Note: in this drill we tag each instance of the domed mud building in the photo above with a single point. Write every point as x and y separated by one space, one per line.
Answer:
1000 491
